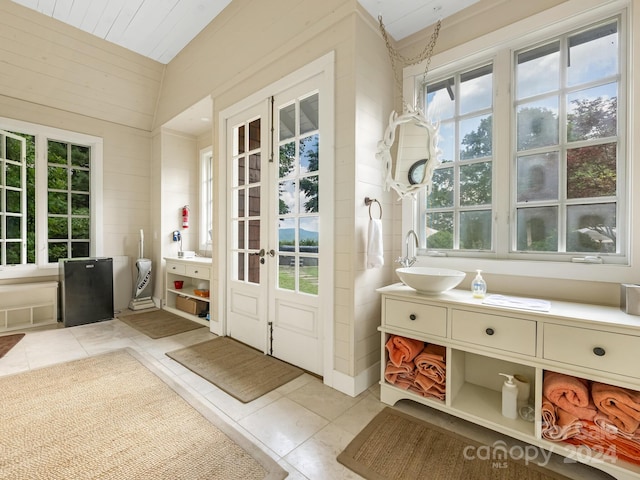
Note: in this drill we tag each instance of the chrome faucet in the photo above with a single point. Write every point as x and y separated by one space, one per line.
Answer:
407 261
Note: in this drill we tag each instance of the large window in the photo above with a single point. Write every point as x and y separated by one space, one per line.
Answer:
48 195
555 191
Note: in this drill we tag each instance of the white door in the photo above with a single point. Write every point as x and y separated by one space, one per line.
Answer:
274 294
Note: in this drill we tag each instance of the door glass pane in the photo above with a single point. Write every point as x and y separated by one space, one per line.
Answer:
254 202
475 230
309 154
254 168
13 201
287 235
13 150
287 199
254 135
240 234
592 228
309 200
254 235
538 177
309 114
538 229
239 177
309 275
14 175
239 141
287 121
238 200
287 159
287 272
309 235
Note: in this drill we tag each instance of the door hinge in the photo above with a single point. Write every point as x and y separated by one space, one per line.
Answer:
270 325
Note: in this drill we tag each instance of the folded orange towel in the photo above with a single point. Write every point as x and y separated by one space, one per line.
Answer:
403 349
569 393
557 424
621 405
427 387
402 376
605 423
606 444
431 362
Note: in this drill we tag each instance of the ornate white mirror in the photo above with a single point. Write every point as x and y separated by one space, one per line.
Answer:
417 152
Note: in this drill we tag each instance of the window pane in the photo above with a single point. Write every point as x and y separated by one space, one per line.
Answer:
14 227
14 175
80 180
80 156
447 141
79 249
592 113
57 251
475 230
58 178
309 154
13 149
14 251
476 137
441 100
591 228
309 114
538 70
58 228
476 90
591 171
439 230
58 203
79 204
13 199
475 184
537 229
441 195
538 124
80 228
538 177
57 152
593 54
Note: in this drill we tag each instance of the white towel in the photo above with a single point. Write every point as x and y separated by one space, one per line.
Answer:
518 302
375 255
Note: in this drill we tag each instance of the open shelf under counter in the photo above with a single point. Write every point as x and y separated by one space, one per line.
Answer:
194 273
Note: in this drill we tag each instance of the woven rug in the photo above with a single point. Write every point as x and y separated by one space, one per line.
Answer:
239 370
159 323
7 342
398 446
115 416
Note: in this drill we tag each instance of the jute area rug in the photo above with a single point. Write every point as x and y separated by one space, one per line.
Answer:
7 342
111 417
239 370
398 446
159 323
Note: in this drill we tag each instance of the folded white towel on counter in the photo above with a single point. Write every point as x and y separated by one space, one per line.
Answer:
518 302
375 250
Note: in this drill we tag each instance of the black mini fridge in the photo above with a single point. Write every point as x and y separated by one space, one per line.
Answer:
86 290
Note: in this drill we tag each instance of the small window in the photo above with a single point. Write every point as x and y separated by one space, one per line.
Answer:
206 201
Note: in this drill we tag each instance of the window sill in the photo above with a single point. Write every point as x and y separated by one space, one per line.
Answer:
27 271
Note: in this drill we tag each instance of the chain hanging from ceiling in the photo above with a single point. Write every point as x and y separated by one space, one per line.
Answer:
399 61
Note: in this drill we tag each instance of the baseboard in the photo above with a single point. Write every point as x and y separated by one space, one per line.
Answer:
354 386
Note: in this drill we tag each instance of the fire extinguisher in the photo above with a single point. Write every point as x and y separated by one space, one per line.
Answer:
185 216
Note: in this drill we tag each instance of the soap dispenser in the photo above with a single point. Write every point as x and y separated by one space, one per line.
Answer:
509 397
479 286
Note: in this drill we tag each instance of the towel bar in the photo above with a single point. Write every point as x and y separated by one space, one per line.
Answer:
370 201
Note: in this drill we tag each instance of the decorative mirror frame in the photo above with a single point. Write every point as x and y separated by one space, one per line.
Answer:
403 186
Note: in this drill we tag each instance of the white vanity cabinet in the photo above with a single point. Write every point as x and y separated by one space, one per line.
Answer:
191 271
587 341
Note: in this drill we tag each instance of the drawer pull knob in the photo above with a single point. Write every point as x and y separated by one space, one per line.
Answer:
490 331
195 271
413 316
599 351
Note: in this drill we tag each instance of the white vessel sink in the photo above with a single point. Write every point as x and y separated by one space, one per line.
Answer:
430 280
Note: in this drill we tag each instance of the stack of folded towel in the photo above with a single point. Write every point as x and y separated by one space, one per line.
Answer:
416 366
604 417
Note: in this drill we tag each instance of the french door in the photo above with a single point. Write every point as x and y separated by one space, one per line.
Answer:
275 222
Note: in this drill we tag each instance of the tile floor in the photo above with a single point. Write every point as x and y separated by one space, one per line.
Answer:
303 424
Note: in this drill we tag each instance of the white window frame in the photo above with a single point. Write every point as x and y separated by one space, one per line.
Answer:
42 134
499 46
206 199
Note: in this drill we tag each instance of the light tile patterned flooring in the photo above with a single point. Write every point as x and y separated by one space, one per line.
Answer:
303 424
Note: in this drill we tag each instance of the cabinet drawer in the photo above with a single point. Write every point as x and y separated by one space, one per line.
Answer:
606 351
504 333
176 268
198 271
426 319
